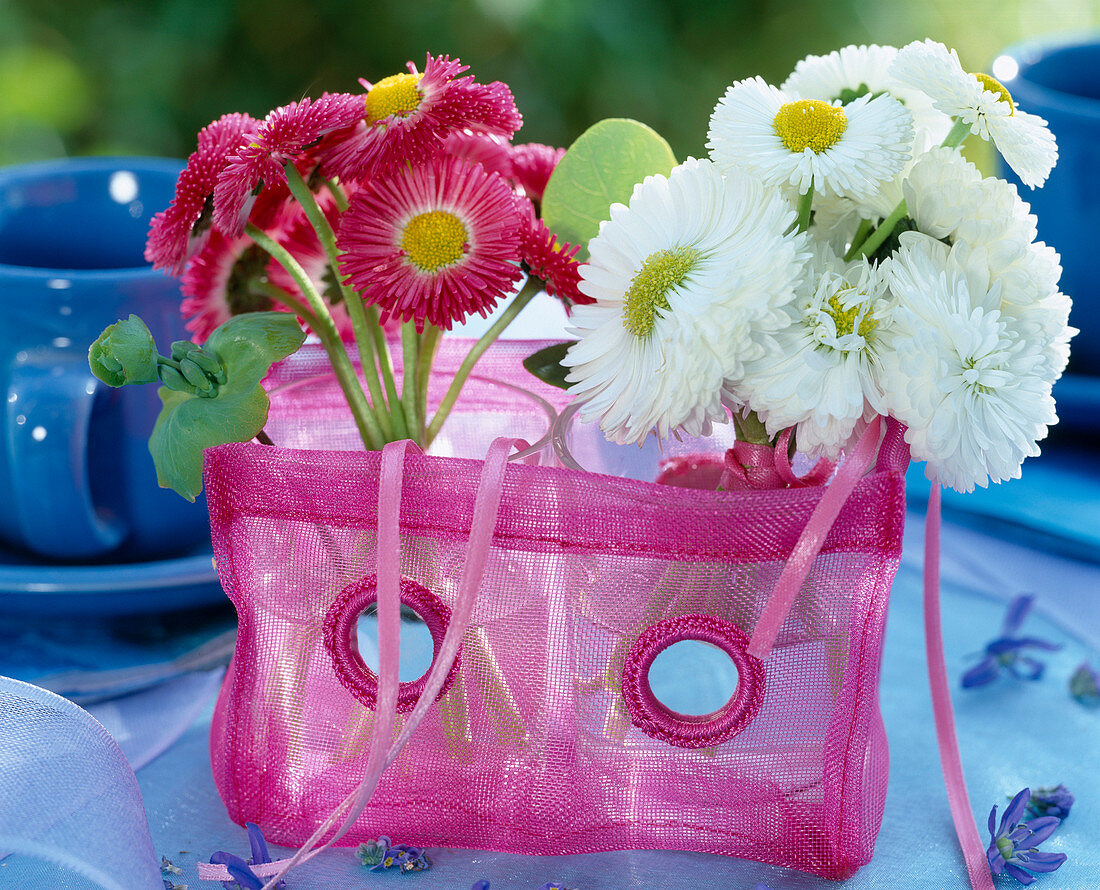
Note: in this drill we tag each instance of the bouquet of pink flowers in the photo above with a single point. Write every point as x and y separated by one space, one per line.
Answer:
379 218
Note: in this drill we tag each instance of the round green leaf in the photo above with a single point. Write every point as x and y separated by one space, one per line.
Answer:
599 169
246 346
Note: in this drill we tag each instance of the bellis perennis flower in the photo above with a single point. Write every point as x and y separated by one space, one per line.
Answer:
408 115
982 103
843 149
434 243
684 279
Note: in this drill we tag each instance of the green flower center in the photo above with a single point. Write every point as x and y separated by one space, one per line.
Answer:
396 94
434 240
1005 847
995 86
241 292
649 288
845 319
810 123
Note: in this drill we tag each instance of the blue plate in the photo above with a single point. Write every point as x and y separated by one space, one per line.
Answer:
183 582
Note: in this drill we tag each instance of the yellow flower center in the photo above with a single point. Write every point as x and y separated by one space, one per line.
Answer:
810 123
434 240
649 288
845 319
995 86
396 94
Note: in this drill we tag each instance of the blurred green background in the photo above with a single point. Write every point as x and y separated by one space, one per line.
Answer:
96 77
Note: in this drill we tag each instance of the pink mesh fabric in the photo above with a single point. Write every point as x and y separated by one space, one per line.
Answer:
533 748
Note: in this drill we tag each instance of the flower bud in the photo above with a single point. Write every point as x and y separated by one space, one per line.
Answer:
124 353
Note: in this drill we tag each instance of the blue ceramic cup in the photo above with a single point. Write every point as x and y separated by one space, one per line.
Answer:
1059 80
76 478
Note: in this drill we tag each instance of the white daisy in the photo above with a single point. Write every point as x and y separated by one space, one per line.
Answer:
969 388
992 230
981 102
820 372
844 150
853 71
683 278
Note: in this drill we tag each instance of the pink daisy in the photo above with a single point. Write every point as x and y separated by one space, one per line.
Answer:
532 164
220 283
551 261
176 233
282 136
221 278
433 243
492 152
408 116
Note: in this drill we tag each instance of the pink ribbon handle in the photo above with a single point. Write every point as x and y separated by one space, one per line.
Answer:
977 865
811 540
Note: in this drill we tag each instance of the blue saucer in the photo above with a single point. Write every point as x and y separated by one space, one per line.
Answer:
1054 506
165 585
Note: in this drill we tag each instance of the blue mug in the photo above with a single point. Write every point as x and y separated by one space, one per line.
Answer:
76 478
1059 79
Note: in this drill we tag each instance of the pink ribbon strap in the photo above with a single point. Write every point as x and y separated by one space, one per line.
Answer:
388 571
977 865
811 540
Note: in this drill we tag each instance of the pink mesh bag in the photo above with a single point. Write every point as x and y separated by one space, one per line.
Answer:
545 737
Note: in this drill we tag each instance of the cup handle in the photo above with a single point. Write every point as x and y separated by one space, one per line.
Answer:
49 408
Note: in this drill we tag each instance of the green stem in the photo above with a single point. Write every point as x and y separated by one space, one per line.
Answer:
337 194
276 294
532 287
875 239
410 385
428 346
860 236
385 363
805 204
352 300
957 134
365 420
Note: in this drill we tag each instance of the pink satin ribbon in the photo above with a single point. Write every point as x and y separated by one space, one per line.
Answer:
977 865
812 538
751 467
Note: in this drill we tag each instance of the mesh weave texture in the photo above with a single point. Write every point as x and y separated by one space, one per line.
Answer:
532 748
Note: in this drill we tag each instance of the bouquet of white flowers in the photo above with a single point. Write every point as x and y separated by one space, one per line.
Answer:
835 258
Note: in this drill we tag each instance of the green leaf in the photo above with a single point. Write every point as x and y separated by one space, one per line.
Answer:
599 169
546 364
246 346
124 353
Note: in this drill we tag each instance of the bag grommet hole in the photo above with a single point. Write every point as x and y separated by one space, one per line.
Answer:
341 639
656 719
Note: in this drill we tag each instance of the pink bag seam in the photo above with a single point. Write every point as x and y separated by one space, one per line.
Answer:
847 811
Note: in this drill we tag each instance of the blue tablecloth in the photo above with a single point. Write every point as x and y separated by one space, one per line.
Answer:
1012 734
